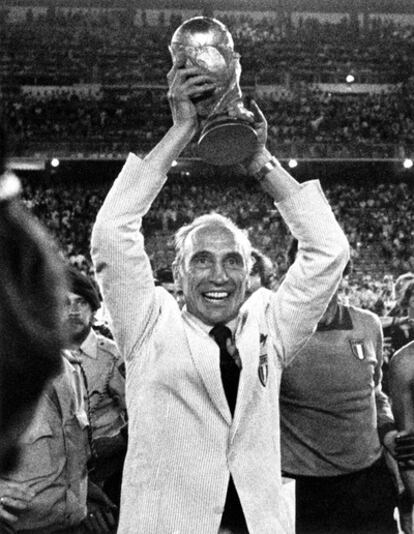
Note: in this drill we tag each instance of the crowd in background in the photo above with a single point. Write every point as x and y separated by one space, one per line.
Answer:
74 47
306 122
62 48
377 220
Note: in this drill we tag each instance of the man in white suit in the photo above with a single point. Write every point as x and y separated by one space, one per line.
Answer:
191 443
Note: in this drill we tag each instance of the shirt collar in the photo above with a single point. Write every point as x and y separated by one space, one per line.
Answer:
341 321
90 345
206 328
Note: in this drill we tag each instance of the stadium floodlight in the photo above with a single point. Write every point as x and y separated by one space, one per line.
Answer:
174 163
407 163
293 163
350 78
55 162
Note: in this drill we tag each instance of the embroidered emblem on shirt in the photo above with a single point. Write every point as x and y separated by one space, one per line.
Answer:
357 347
263 369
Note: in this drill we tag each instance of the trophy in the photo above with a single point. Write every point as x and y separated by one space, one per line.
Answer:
225 139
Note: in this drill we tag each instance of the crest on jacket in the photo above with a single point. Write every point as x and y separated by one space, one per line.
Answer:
263 369
358 349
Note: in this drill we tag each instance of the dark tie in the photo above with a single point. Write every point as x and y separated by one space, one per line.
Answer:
229 370
233 516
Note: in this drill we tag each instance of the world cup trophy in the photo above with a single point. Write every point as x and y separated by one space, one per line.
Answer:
227 136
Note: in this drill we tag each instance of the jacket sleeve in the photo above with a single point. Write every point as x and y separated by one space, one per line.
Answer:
123 269
313 278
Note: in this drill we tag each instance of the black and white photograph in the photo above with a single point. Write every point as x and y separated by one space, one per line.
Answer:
206 266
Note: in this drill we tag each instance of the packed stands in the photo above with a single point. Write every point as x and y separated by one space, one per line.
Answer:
75 85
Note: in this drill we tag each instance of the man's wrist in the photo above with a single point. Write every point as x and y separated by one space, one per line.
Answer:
263 165
259 159
186 128
269 166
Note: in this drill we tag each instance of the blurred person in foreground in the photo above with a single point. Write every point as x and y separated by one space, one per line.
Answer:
71 423
31 334
337 424
202 383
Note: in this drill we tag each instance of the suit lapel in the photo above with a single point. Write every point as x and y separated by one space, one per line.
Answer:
206 356
247 341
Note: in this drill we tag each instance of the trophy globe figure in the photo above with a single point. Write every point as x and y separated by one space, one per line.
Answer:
225 138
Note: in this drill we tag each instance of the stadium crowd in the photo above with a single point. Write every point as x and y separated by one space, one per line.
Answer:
378 222
60 47
303 123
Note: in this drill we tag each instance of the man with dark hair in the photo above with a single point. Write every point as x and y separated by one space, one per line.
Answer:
203 382
103 374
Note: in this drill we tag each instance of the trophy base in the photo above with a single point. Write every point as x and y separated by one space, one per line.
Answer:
226 141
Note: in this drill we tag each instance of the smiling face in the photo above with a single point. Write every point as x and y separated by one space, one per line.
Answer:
213 275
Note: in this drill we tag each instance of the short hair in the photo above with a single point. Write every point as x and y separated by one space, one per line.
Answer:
263 266
211 219
164 275
408 293
402 281
31 307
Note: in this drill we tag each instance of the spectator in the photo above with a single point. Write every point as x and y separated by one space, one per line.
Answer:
103 373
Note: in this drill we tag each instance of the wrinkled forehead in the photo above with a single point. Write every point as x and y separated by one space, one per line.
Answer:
215 238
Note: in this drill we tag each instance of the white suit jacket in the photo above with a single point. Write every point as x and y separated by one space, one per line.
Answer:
183 442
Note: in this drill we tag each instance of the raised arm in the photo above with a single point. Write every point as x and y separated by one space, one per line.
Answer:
323 249
122 267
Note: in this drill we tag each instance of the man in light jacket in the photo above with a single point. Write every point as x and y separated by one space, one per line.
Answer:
203 453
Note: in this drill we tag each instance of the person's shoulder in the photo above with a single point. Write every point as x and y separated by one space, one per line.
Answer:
162 293
260 297
165 299
401 367
405 353
362 315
